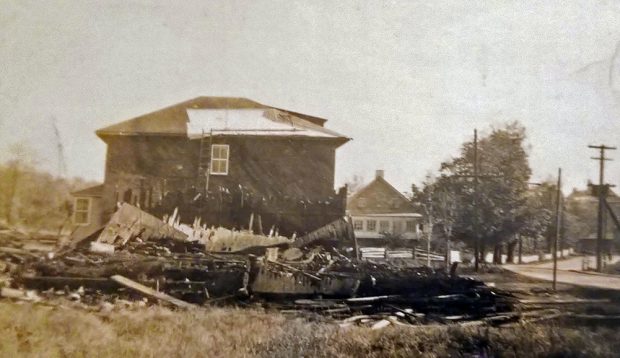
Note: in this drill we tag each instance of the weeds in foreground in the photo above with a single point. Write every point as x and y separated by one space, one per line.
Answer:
39 331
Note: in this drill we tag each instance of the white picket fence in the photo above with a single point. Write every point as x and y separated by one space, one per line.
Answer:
381 253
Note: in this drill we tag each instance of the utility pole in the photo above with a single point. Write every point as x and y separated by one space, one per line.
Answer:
428 208
430 235
476 176
601 199
558 219
475 216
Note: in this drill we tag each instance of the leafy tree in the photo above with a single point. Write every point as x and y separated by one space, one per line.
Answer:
500 203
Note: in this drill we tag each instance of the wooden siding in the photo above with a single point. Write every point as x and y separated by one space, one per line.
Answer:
289 181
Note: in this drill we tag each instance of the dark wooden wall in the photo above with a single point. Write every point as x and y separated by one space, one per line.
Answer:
290 182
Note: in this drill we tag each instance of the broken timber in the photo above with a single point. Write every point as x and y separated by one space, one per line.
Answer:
147 291
129 222
334 231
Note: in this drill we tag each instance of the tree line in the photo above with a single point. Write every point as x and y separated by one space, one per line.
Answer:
504 208
32 198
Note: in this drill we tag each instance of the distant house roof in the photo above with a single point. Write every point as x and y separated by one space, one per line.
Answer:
379 197
95 191
175 120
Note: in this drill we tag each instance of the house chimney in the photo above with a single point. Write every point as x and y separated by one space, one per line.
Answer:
379 173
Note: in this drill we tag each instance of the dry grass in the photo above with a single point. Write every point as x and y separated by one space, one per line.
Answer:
39 331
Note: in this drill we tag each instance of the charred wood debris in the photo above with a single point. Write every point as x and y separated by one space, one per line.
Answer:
138 259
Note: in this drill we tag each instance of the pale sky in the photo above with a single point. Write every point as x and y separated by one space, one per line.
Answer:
407 80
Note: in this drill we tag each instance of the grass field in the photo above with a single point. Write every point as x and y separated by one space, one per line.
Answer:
29 330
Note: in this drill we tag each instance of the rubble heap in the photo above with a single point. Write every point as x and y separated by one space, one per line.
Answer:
132 262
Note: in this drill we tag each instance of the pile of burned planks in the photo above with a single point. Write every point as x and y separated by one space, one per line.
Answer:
137 256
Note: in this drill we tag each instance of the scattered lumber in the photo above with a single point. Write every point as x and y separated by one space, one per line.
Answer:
370 299
380 324
291 268
149 292
12 250
19 294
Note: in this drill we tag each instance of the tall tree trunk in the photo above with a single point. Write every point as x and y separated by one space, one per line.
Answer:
497 254
511 251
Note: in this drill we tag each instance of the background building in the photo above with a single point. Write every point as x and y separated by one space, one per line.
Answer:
223 159
379 210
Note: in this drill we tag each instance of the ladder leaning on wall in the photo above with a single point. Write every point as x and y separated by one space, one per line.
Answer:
204 158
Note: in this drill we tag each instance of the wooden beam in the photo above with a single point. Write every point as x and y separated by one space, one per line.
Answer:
149 292
291 268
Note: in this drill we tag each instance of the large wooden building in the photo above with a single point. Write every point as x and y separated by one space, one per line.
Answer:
222 159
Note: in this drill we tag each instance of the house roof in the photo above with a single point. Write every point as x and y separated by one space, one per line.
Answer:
375 191
96 191
174 120
257 122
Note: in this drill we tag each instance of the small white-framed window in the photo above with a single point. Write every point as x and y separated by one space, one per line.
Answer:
81 212
219 159
384 226
371 225
411 226
358 224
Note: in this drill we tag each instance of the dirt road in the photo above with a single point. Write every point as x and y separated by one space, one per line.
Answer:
569 272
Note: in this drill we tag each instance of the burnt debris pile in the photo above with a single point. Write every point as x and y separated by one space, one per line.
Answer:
316 275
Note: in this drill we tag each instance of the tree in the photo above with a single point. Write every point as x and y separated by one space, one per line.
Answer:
31 198
501 199
21 158
538 217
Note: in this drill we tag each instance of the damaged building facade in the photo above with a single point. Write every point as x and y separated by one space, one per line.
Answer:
224 160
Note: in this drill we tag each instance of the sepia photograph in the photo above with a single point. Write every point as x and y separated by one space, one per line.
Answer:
289 178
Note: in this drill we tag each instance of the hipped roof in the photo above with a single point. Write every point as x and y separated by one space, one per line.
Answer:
252 122
173 120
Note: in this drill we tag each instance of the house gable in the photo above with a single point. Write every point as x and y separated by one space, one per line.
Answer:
379 197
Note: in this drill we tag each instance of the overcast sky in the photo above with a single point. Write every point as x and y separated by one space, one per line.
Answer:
407 80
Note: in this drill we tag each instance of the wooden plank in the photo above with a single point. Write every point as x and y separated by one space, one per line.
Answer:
285 266
149 292
19 294
371 299
563 302
12 250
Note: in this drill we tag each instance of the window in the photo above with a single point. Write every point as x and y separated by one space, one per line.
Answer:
371 225
358 225
411 226
398 227
384 226
219 159
81 212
